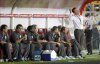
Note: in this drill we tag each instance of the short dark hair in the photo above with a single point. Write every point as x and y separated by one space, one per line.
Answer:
73 9
59 27
87 14
63 28
18 26
92 14
34 26
29 28
3 27
54 28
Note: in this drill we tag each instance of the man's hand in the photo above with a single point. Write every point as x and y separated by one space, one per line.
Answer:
25 37
30 42
58 44
3 42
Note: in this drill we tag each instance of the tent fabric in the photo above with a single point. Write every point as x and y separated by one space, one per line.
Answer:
58 4
84 4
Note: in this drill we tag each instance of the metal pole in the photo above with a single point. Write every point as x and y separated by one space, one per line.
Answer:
62 22
46 23
29 21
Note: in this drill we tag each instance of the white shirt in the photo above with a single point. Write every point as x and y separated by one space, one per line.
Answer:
78 21
89 22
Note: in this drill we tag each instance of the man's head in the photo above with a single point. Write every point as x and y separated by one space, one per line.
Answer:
59 27
4 28
64 29
75 11
19 28
55 29
87 14
29 28
34 28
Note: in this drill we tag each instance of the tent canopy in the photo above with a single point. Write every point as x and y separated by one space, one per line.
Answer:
59 4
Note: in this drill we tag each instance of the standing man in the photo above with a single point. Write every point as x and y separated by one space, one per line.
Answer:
88 32
77 20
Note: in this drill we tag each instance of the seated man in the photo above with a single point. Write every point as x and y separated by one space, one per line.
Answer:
65 39
19 44
69 43
34 40
53 38
5 45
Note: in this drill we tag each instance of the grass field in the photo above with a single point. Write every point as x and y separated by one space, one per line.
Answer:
88 58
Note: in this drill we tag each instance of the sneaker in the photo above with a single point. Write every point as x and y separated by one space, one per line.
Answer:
72 57
6 60
89 53
57 58
1 60
83 53
61 57
23 59
79 57
10 60
14 58
67 57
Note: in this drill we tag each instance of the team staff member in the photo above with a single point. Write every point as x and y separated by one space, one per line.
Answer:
72 45
78 22
5 45
88 32
65 39
19 42
34 40
53 38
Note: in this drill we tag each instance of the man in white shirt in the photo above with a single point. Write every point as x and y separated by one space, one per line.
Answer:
88 32
77 20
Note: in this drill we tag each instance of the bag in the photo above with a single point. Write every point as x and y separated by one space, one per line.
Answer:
37 55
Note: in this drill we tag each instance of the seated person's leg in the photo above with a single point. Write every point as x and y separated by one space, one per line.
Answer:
26 51
15 51
1 54
32 46
62 50
9 51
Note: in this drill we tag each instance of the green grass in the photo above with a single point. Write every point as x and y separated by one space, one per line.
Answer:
88 58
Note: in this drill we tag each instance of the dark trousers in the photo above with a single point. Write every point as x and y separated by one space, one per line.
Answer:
50 46
21 50
34 47
6 51
80 38
1 52
60 49
75 47
68 49
26 49
88 34
17 48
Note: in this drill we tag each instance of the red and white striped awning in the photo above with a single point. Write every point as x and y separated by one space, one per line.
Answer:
56 4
